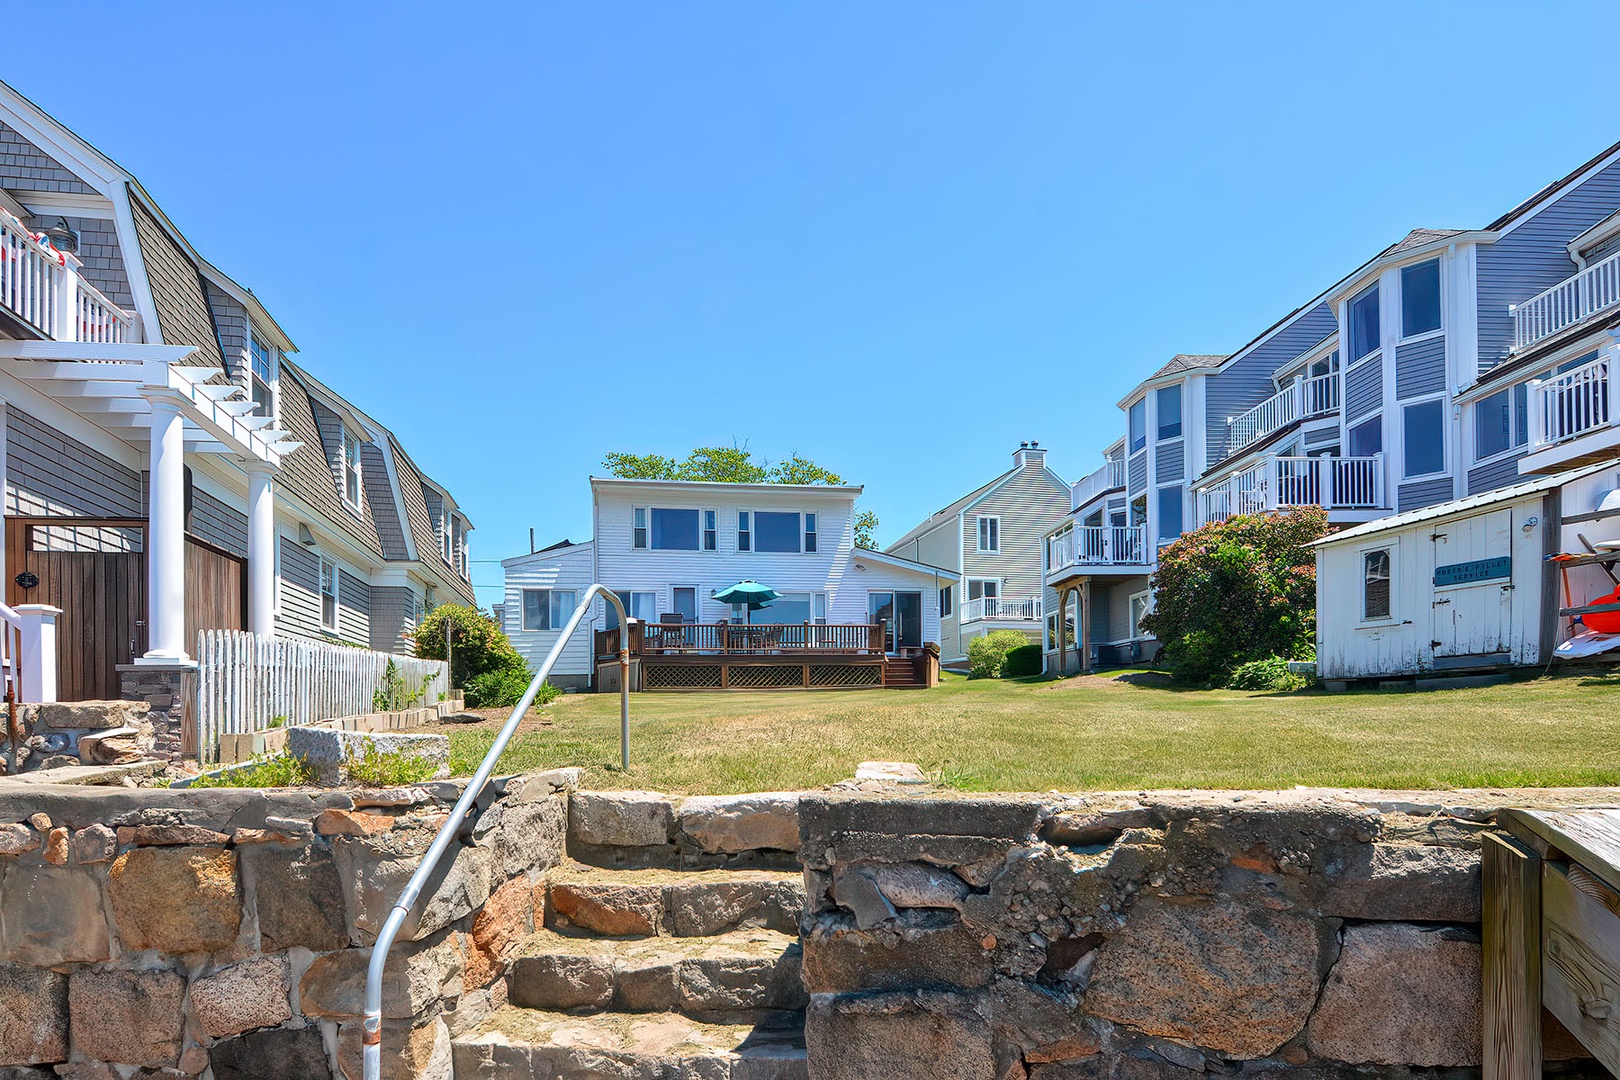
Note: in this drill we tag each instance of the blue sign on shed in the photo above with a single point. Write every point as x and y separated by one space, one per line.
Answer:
1470 573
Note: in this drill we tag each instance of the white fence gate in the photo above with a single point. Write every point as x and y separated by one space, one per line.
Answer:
245 681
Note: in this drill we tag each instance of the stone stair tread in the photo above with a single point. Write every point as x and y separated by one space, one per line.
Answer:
513 1041
681 903
748 943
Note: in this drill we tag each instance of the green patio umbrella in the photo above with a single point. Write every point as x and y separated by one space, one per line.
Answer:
749 593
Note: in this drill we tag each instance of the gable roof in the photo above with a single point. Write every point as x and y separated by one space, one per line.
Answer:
903 564
1188 362
939 517
1418 238
1552 189
1462 506
178 294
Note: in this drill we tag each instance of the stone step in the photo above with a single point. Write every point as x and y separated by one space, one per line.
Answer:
752 971
519 1043
671 903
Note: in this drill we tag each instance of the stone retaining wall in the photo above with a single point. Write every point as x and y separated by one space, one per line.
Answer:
168 932
1164 935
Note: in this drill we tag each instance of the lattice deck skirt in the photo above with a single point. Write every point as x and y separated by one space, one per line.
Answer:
756 676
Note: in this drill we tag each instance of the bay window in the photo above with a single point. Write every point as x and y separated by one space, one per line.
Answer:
1423 424
1170 412
1138 425
1420 298
1365 327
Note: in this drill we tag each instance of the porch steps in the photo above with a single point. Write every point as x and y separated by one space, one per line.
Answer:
667 974
900 673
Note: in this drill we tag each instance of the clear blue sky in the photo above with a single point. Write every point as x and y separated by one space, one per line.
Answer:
524 235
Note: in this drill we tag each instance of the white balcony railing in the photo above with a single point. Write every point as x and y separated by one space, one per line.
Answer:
1594 289
1107 478
1305 397
42 287
1276 483
1009 609
1573 403
1098 545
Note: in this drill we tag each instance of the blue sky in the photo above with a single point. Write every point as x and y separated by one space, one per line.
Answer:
525 235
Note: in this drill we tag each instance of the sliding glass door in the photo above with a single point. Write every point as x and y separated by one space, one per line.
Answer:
901 614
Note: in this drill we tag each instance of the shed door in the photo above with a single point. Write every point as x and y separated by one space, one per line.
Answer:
1473 585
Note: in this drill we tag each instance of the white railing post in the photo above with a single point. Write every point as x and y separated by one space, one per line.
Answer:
1300 409
36 665
1378 481
1538 413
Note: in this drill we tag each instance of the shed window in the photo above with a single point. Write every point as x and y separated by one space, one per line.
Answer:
548 609
1420 298
1375 584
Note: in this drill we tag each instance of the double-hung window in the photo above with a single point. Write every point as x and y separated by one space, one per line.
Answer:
989 533
1365 327
262 362
548 609
810 540
745 531
1169 401
1420 298
711 530
1501 421
329 593
351 468
945 599
1375 595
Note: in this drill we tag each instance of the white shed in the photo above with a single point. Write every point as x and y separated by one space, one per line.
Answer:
1459 586
542 589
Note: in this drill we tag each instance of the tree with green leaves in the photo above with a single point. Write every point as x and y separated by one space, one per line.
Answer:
736 465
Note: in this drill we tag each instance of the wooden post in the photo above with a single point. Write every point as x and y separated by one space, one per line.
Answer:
1085 626
1062 638
1511 960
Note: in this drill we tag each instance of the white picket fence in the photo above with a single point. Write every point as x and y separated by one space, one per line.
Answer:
244 681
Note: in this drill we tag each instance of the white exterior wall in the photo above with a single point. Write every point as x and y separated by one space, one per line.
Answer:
837 568
1502 621
566 568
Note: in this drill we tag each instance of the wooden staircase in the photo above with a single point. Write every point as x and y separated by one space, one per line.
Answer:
900 673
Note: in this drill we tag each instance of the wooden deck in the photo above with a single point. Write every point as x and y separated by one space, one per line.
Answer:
765 656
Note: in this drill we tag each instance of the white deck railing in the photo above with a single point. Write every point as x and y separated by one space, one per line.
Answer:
1591 290
1299 400
43 287
1098 545
1024 609
1107 478
245 681
1573 403
1276 483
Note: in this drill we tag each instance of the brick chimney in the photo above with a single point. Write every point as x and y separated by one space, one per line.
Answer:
1029 453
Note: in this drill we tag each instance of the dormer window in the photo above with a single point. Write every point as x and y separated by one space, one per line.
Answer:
351 468
263 371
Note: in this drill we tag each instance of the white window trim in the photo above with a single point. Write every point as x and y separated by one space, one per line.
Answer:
1471 429
1400 276
1160 439
1445 426
753 532
348 440
697 596
947 601
1392 546
322 562
650 550
979 533
1350 302
981 582
1136 631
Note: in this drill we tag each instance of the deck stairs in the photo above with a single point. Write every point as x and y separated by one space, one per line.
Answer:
652 974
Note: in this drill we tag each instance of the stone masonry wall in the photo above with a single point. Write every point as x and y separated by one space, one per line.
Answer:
148 932
1163 935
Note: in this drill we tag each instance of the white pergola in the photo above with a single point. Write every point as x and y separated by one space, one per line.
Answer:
143 395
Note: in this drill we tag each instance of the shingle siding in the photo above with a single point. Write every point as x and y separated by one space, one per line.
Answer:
101 255
380 496
1420 368
25 167
1246 382
308 472
1363 389
232 320
1421 493
394 612
49 473
1534 257
218 523
183 315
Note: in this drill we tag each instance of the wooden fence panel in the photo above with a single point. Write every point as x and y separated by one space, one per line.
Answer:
245 681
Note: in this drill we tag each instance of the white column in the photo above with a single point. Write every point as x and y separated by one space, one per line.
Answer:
36 660
166 532
261 549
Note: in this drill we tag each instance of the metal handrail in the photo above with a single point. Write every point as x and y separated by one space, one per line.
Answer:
371 1034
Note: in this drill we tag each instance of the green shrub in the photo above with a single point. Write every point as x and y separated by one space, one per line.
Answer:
1270 673
373 767
497 689
478 645
1235 591
265 771
987 655
1022 662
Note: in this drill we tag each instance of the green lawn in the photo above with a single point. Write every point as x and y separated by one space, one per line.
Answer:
1123 730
